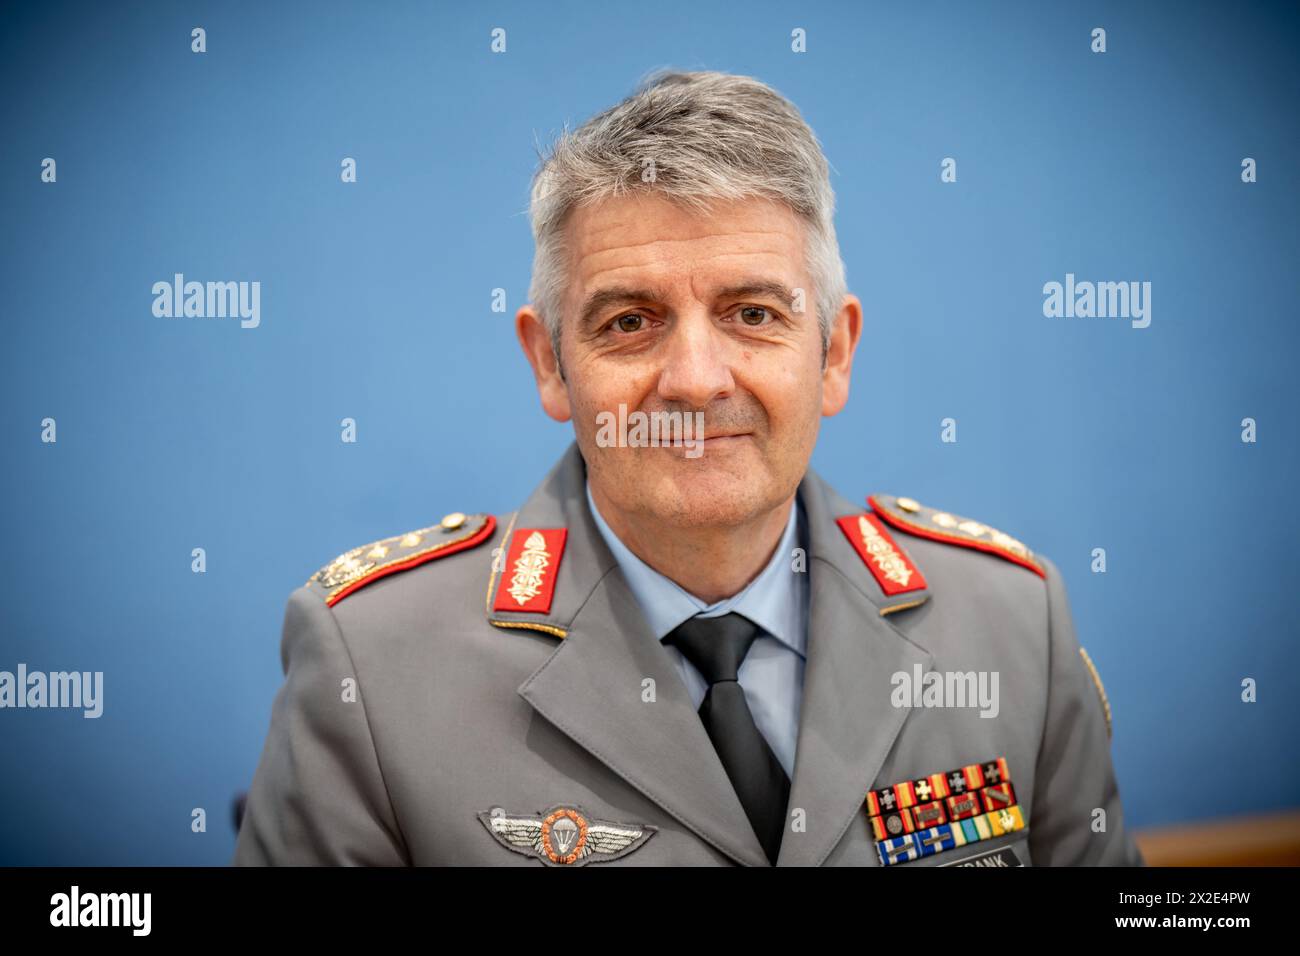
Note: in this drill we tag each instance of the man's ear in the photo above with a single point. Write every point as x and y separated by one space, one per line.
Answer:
535 339
845 332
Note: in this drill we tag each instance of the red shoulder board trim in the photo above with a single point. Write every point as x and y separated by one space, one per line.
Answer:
353 570
907 515
887 562
531 566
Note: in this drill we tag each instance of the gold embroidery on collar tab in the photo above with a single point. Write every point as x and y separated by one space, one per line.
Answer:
530 567
884 555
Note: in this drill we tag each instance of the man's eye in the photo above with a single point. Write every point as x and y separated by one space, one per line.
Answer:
753 314
629 323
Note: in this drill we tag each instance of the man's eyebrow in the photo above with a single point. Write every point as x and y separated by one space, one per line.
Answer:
758 288
598 302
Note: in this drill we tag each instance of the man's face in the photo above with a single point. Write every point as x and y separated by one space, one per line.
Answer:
671 310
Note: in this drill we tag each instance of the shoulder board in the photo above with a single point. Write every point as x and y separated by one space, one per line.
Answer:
907 515
354 569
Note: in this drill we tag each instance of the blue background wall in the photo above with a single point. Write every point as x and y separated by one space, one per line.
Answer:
183 433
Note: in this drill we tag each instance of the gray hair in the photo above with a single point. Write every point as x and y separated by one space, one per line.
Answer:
708 136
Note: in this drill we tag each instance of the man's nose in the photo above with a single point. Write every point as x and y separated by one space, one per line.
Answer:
696 366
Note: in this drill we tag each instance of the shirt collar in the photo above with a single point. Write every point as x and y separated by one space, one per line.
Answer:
776 600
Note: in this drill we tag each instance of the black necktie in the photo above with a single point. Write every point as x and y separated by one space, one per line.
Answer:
717 647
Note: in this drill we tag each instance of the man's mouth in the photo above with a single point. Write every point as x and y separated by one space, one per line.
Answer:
695 447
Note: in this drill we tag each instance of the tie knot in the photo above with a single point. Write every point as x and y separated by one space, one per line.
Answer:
715 645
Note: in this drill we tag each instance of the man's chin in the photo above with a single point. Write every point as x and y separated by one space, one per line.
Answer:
721 489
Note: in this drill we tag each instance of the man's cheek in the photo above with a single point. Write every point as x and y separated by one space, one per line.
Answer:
586 405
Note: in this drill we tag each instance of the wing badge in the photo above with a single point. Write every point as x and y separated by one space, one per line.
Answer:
565 835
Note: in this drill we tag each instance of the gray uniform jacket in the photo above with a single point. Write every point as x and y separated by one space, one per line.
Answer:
418 724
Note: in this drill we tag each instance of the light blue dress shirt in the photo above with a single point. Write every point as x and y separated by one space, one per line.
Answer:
776 600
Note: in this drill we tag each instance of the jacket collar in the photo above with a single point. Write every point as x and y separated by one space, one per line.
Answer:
560 501
594 685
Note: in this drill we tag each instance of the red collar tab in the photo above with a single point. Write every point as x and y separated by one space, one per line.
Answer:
528 575
887 562
914 518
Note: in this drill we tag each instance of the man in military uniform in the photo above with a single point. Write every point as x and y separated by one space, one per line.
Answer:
691 651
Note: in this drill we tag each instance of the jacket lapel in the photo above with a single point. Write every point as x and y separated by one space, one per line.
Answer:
847 724
593 686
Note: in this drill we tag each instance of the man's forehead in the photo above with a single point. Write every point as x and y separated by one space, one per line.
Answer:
651 242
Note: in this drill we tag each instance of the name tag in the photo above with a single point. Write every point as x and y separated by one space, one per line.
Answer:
1003 857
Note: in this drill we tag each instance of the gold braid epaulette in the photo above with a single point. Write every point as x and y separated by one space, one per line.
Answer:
354 569
914 518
